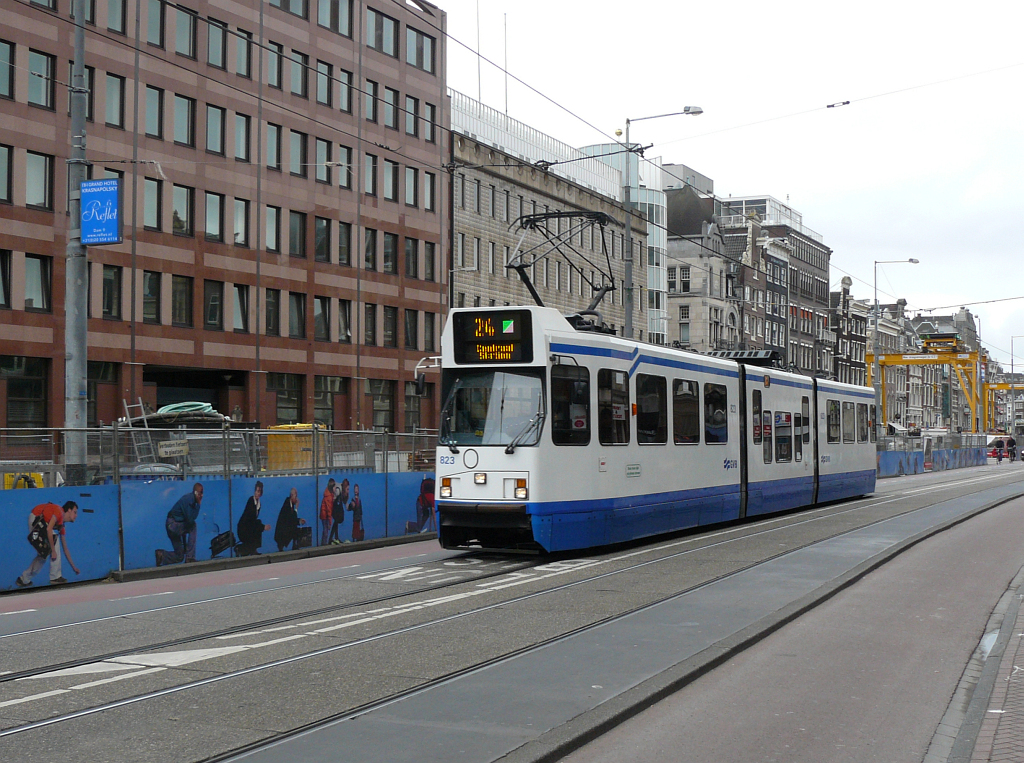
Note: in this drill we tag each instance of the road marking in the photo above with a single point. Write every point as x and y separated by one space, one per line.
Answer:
19 612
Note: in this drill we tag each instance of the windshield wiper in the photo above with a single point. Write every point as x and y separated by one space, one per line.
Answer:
532 425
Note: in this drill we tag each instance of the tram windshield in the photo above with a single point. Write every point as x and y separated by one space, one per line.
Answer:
492 408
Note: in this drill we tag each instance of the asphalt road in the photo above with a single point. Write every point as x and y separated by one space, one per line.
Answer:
866 676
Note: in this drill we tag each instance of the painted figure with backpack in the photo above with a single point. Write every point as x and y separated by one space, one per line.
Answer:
47 535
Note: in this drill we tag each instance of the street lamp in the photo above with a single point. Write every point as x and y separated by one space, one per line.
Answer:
874 372
1013 392
627 277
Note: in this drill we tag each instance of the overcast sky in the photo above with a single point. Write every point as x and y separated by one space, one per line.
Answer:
925 162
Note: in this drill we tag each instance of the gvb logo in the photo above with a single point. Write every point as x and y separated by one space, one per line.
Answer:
730 463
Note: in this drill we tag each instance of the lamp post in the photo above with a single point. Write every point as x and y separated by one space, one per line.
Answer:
1013 392
627 276
879 411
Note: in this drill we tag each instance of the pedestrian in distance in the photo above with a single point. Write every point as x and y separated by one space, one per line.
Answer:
327 512
287 528
1011 448
181 528
46 525
250 526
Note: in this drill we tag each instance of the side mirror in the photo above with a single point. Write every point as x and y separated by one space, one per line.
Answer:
421 385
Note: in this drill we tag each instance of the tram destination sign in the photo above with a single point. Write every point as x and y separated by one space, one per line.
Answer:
493 336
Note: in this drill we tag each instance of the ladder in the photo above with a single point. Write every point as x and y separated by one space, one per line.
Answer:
141 437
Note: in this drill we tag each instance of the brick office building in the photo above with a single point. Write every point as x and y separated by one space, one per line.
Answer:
283 222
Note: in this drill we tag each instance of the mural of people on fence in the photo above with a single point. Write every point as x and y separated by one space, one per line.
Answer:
425 516
250 526
47 535
181 528
356 507
290 529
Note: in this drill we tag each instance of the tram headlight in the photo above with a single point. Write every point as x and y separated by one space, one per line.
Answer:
446 487
521 489
480 478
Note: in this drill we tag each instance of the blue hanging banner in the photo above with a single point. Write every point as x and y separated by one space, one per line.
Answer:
101 212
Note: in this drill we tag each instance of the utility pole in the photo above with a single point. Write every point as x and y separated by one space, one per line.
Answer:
76 273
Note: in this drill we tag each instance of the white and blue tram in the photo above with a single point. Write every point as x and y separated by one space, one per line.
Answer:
560 439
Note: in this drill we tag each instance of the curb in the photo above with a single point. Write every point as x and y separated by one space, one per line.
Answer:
231 562
556 743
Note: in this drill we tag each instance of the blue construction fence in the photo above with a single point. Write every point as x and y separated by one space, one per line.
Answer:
896 463
121 526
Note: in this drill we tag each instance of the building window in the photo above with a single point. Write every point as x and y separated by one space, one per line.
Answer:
154 112
273 146
241 312
412 265
322 319
241 222
335 15
89 74
183 204
324 390
321 239
38 180
7 69
27 382
390 333
181 301
273 300
412 181
242 127
215 117
38 272
214 217
112 292
323 161
370 176
345 95
184 121
369 249
412 332
155 23
429 272
296 315
294 7
115 101
288 391
300 77
298 153
344 243
344 165
370 100
116 15
345 321
429 198
684 279
391 108
412 116
273 229
275 62
151 192
381 33
216 44
40 79
324 82
429 344
243 54
419 50
213 305
369 324
185 36
390 180
297 234
429 122
151 297
390 260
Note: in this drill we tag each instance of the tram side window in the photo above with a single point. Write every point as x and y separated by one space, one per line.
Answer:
798 439
716 418
832 421
805 414
783 436
755 416
849 423
872 428
766 430
862 422
651 409
570 405
685 412
612 407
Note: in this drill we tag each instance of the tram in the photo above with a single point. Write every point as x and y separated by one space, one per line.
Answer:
556 438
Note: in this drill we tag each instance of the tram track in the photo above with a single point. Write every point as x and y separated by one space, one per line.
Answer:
778 524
